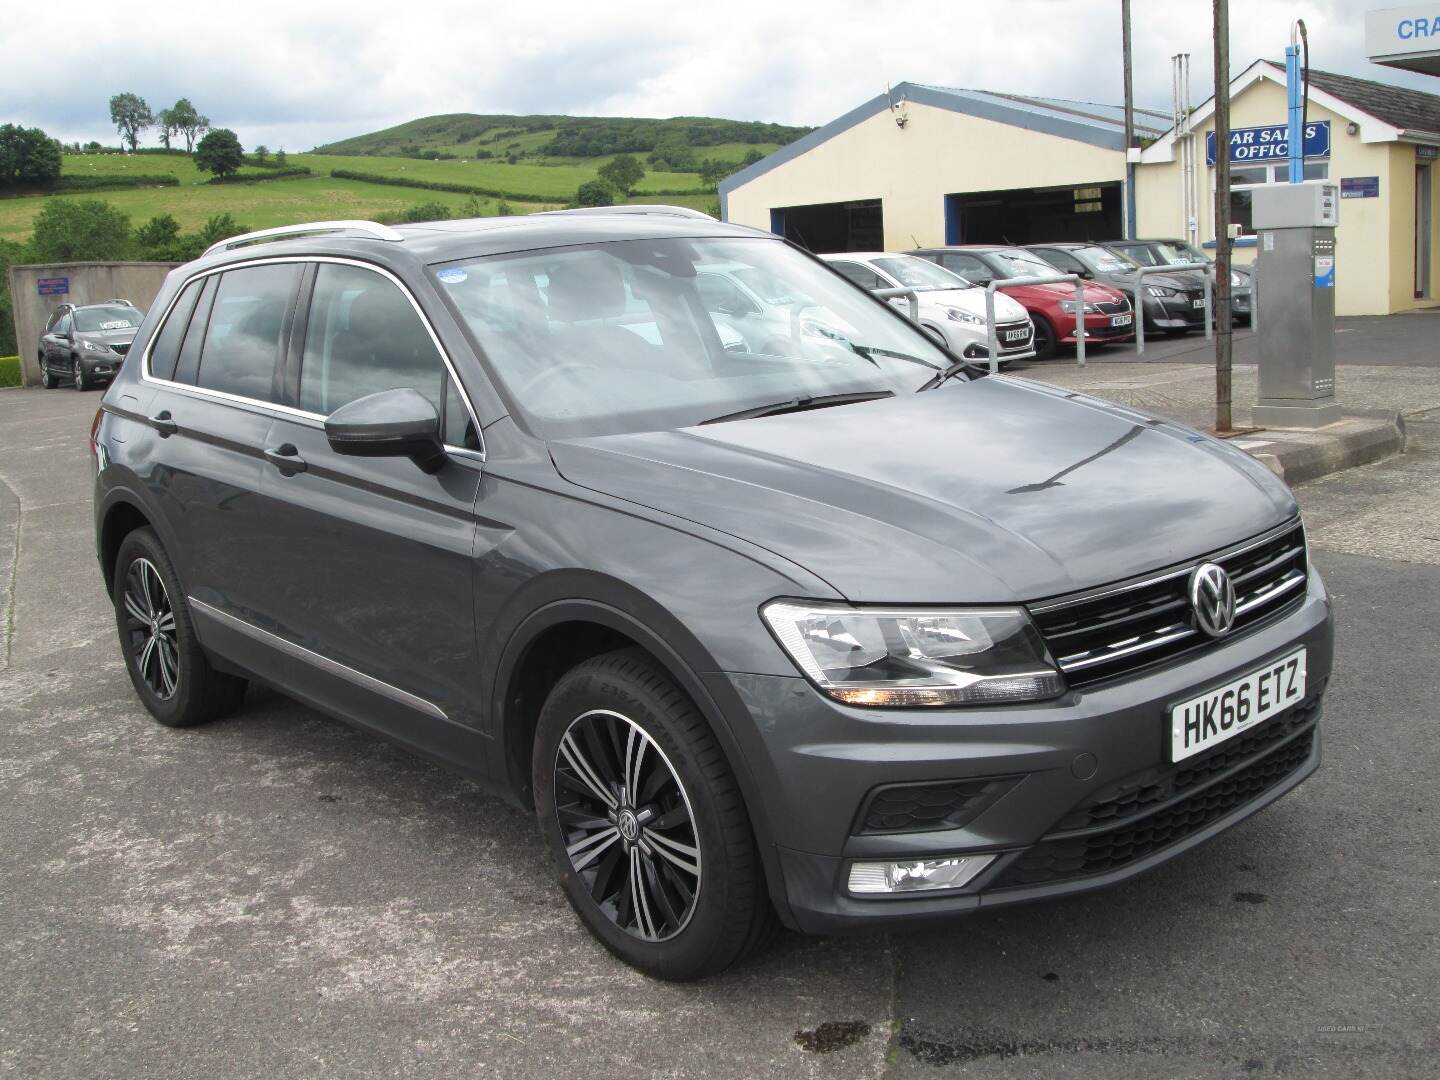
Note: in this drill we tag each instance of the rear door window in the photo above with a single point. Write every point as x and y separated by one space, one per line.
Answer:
968 266
861 275
243 336
165 353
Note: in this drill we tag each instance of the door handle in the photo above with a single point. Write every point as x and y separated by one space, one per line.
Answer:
162 423
286 458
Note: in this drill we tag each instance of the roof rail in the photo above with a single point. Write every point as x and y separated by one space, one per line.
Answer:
372 229
634 208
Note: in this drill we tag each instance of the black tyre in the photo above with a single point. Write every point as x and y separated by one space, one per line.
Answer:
1044 338
77 374
167 667
645 822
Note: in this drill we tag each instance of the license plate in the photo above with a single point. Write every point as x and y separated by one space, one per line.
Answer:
1121 320
1016 335
1210 719
1197 303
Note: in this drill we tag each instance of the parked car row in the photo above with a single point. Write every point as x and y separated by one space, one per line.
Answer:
86 344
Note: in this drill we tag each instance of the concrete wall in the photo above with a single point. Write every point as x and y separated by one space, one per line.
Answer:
90 283
1375 242
912 170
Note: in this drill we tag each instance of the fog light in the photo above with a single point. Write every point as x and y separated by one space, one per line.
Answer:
916 875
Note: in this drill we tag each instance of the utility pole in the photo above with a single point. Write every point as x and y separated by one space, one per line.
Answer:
1129 122
1223 339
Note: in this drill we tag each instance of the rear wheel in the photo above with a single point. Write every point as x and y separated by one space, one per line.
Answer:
167 667
645 822
1044 338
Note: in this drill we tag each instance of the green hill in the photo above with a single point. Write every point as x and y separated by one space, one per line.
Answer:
471 135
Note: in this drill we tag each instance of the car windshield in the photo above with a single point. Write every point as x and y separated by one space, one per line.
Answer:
1009 264
89 320
1175 254
1104 261
605 338
915 273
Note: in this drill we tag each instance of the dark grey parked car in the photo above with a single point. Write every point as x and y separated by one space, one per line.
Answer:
842 632
86 344
1169 252
1173 303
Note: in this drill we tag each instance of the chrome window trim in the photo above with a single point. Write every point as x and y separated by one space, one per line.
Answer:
287 411
324 663
1099 594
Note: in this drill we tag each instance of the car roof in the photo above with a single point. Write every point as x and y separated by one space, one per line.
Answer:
469 238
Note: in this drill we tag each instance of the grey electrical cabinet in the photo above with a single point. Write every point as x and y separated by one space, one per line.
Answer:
1295 227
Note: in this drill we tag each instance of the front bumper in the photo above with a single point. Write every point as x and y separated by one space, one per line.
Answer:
101 367
1093 747
1098 329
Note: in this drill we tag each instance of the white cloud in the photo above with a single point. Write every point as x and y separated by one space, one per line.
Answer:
297 74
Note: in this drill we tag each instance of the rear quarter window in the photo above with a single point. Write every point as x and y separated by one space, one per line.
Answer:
243 335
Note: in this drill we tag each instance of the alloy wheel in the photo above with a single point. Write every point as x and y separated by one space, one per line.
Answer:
628 826
150 628
78 374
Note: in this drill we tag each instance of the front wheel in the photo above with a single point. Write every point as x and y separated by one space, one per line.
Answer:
167 667
1044 338
645 822
47 381
77 373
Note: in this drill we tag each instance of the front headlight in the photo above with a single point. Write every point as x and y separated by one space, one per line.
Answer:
1238 280
960 316
90 346
1068 307
1159 290
908 657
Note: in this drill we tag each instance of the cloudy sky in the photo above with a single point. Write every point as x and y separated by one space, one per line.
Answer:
297 74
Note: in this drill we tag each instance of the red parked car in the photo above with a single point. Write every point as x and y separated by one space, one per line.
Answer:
1108 314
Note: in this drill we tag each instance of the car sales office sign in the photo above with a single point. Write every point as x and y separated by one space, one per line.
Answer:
1270 143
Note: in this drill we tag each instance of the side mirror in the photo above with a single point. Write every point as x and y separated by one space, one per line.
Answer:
392 423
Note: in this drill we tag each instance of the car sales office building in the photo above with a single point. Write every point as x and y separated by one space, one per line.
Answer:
924 165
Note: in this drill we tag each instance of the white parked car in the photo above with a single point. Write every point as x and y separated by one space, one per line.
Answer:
952 309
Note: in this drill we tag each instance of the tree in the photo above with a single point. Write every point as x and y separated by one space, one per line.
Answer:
28 157
220 227
280 159
130 115
159 232
622 173
220 152
262 152
595 193
79 230
187 122
165 125
672 152
472 207
504 209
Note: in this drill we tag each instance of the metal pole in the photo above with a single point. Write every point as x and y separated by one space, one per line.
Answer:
991 341
1294 136
1129 122
1223 326
1079 322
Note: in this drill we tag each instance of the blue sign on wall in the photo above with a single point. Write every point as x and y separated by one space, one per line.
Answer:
1359 187
53 286
1270 143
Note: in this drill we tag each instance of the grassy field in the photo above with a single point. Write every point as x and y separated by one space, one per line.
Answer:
180 166
261 205
557 181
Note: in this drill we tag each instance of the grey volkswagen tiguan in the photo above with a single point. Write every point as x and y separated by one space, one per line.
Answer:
841 632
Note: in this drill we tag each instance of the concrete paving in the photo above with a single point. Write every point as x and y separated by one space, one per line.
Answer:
279 895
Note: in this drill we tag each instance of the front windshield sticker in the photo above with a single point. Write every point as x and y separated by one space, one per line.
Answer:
452 275
118 324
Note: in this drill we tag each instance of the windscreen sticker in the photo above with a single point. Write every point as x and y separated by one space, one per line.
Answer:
118 324
452 275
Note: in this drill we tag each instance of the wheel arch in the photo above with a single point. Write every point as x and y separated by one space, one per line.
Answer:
120 513
562 633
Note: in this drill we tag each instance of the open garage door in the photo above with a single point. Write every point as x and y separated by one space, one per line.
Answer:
1034 215
825 227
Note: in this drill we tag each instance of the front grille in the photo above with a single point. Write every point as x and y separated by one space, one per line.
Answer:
924 807
1072 858
1117 631
1135 794
122 348
1113 307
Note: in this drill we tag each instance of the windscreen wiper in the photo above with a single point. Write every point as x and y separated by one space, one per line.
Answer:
801 404
872 351
954 369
